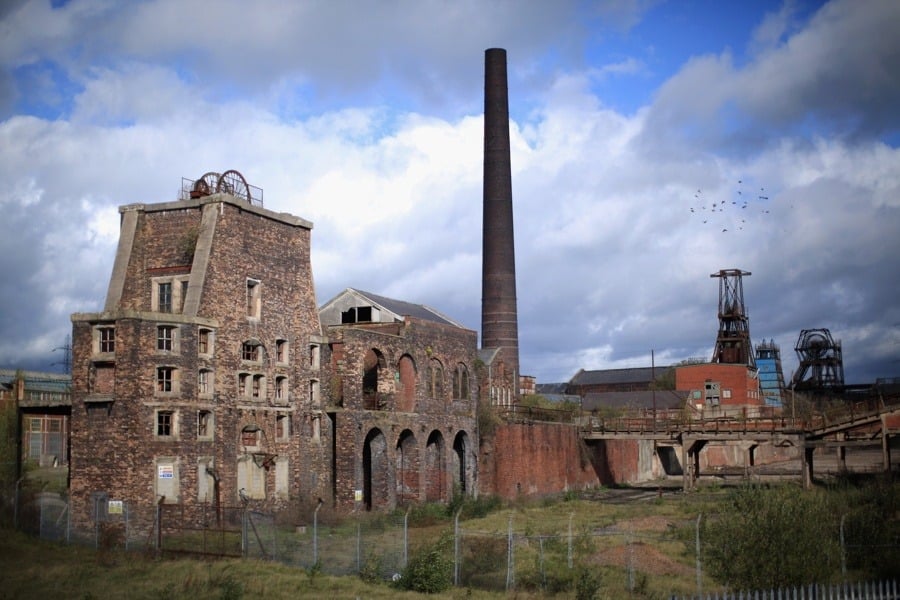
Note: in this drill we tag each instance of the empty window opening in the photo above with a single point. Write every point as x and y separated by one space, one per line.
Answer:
243 384
435 381
204 424
461 382
165 423
259 387
281 351
358 314
281 388
253 298
314 356
204 341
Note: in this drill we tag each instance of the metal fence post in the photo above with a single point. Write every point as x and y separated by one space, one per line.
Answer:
699 568
358 547
316 533
509 557
571 516
406 538
456 547
16 504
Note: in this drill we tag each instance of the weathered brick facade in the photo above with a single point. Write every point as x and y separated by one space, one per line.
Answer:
196 381
403 405
537 459
207 380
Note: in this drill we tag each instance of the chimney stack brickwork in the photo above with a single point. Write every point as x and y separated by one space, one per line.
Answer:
499 320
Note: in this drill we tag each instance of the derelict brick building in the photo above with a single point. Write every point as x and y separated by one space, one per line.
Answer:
403 398
200 380
207 381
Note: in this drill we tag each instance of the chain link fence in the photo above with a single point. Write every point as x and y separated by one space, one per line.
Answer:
381 546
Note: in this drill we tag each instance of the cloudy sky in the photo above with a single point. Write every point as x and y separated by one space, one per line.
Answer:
654 143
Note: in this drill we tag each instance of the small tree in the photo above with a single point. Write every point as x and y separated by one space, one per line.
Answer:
778 537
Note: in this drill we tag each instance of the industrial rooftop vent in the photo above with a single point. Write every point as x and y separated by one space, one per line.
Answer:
230 182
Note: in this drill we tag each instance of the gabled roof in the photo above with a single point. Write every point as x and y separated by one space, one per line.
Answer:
396 309
612 376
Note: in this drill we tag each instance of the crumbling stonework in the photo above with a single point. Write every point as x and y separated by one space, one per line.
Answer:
194 384
396 406
208 382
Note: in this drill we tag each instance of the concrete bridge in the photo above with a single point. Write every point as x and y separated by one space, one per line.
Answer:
849 429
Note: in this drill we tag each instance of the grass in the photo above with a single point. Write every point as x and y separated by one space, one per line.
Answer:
639 549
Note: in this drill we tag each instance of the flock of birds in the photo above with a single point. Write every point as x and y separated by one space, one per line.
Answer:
708 212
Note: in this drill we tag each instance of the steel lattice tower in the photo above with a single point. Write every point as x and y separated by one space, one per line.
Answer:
733 345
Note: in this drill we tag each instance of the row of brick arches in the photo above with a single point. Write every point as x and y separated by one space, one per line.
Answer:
405 472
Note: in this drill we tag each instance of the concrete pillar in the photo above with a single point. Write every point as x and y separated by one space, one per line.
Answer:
842 453
885 445
686 466
808 467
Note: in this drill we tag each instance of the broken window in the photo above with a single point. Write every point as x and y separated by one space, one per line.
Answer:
106 339
165 380
243 384
165 423
251 351
164 297
168 294
204 382
204 424
204 341
281 388
258 389
165 338
712 393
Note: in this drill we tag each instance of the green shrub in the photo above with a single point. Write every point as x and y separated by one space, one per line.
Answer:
429 570
777 537
371 569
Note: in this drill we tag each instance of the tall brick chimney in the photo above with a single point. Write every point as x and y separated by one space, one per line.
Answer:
499 321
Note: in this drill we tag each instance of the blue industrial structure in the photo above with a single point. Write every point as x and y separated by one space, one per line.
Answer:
771 377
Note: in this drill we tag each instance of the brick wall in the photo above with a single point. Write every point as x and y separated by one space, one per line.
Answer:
535 460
